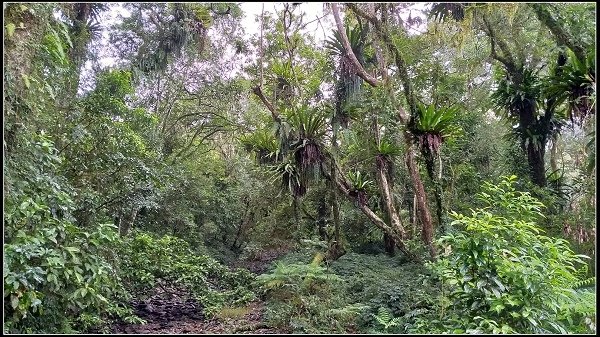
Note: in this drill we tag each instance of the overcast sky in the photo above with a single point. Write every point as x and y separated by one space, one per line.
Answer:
313 11
320 29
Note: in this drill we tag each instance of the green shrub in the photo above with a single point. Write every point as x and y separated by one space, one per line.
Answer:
385 285
501 275
307 298
347 295
57 277
148 259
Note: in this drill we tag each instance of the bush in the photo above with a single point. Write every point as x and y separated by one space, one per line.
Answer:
501 275
346 296
148 260
392 290
307 298
57 277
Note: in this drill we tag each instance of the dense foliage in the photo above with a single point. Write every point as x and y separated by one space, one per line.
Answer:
318 170
500 274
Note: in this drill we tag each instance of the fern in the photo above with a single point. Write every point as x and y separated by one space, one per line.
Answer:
585 283
385 319
348 311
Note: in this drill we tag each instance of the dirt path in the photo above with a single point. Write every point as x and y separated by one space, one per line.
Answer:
174 313
183 318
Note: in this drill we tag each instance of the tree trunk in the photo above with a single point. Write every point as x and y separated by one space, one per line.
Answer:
376 220
385 189
336 248
20 49
385 186
389 244
126 222
19 52
296 211
554 155
422 208
245 220
430 165
535 158
80 38
322 218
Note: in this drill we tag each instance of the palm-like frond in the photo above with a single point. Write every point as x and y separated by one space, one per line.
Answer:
291 177
308 123
94 29
522 94
574 84
359 181
388 149
263 143
349 82
356 36
432 126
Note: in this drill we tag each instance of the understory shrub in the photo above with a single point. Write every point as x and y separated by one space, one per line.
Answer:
500 274
307 298
388 286
352 294
147 260
57 277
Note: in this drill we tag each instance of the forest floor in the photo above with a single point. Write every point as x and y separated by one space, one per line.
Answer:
169 311
180 318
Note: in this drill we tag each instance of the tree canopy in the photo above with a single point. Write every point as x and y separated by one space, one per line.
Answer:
178 167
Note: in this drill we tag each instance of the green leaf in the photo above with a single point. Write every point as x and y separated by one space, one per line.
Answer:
532 321
10 29
14 301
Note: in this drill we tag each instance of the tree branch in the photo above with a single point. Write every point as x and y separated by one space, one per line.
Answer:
258 92
372 19
360 71
561 35
402 69
508 61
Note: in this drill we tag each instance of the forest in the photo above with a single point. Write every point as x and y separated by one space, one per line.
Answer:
299 168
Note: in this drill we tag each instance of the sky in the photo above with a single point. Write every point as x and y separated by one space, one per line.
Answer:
313 11
321 29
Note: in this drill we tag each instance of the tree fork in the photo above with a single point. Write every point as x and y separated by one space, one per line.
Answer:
423 209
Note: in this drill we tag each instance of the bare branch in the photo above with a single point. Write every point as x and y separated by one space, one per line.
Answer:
258 92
